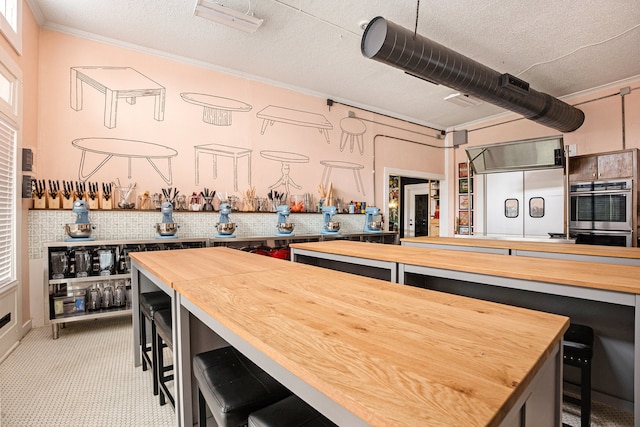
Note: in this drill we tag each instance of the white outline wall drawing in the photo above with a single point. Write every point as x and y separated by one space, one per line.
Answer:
106 148
116 83
216 110
272 114
225 151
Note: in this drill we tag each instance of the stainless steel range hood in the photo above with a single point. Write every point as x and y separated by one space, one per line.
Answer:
530 154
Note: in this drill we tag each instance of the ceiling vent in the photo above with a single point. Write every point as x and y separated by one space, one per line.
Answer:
394 45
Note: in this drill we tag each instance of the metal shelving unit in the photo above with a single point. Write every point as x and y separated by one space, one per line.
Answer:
66 299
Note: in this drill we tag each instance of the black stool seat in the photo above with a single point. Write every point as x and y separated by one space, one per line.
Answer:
150 303
578 344
289 412
232 387
577 347
163 338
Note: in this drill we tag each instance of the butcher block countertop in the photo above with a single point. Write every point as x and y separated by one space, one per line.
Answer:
191 264
521 245
393 355
619 278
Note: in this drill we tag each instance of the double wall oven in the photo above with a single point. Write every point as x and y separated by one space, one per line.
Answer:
602 212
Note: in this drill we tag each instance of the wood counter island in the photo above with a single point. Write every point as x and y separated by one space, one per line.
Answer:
553 248
604 296
369 352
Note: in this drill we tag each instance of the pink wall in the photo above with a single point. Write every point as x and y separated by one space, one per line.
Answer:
601 131
183 128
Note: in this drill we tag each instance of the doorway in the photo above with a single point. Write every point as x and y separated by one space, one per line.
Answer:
416 210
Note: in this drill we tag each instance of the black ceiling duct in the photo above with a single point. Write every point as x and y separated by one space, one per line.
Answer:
394 45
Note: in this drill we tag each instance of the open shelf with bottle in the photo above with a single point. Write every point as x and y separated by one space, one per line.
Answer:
87 279
465 199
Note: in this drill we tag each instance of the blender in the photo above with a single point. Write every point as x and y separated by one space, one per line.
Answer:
167 228
371 226
284 228
329 227
81 229
224 227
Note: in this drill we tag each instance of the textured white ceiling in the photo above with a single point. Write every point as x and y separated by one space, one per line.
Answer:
314 46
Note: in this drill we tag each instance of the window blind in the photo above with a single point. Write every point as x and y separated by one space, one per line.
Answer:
8 140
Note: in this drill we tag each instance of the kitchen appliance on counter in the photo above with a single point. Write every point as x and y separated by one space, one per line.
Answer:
224 227
371 226
166 229
94 297
106 261
120 294
81 229
82 262
107 295
59 264
329 226
284 227
601 212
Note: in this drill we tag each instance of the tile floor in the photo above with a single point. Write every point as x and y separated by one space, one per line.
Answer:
86 378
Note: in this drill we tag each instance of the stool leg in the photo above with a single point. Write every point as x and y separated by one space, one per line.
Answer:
585 396
202 410
143 339
154 357
159 368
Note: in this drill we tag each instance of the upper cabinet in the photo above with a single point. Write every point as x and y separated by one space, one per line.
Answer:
593 167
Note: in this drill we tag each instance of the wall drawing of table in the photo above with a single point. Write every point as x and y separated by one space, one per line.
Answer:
130 149
272 114
225 151
285 158
354 167
216 109
116 83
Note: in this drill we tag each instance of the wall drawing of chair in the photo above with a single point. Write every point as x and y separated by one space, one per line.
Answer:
352 131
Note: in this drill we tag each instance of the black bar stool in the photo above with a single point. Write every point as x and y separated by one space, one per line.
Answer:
289 412
150 303
577 346
232 387
163 338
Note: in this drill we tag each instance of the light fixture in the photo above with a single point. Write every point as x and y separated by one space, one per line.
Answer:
462 99
224 15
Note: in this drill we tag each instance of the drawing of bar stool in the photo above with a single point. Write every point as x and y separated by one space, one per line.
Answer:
225 151
354 167
285 158
352 131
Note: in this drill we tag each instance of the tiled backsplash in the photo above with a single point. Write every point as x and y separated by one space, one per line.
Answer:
48 225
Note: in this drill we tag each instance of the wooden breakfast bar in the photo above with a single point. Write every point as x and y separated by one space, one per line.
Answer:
360 350
604 295
553 248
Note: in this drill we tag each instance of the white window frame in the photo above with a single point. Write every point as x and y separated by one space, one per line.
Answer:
12 33
11 116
